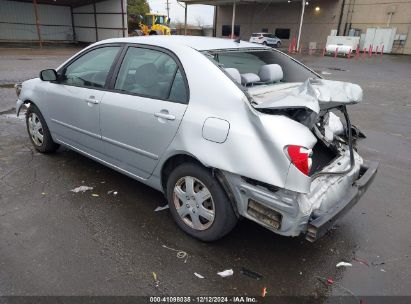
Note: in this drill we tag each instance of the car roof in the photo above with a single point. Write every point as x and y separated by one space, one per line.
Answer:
199 43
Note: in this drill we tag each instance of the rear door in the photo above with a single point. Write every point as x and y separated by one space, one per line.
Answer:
142 113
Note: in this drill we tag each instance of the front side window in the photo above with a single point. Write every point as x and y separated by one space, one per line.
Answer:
151 73
91 69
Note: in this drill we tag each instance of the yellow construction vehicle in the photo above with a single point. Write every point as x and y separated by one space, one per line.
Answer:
155 24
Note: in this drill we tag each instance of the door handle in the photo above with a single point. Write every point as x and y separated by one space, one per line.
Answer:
92 100
165 116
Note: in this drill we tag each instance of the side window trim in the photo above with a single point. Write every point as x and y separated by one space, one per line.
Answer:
116 70
121 46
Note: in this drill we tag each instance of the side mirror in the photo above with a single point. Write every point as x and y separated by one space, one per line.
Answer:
48 75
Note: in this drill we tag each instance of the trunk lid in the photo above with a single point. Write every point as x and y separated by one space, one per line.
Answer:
314 94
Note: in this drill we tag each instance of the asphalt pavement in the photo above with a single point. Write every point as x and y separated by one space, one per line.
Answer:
56 242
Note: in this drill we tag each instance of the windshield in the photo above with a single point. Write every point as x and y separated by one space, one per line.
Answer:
160 20
251 63
148 20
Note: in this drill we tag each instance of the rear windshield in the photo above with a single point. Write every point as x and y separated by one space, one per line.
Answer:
251 61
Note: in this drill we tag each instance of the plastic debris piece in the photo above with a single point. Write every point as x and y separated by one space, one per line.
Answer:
159 208
112 192
81 189
226 273
251 274
383 270
343 264
156 282
362 261
198 275
95 195
115 192
181 254
330 281
264 292
43 193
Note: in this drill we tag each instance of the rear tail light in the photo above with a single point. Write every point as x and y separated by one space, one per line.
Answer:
300 157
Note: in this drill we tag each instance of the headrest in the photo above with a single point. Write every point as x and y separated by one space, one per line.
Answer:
234 73
248 78
271 73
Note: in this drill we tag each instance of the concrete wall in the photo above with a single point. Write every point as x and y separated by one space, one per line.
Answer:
255 17
362 14
359 14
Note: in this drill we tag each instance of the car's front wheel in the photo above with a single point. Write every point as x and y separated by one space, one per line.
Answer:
278 44
198 203
38 131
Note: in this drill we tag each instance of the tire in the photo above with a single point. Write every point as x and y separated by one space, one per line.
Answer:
278 44
265 43
38 131
219 217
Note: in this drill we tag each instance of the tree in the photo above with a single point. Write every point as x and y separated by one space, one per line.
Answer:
135 9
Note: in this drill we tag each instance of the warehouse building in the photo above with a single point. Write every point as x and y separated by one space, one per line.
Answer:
62 20
320 18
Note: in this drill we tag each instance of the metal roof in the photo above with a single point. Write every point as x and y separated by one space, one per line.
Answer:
73 3
222 2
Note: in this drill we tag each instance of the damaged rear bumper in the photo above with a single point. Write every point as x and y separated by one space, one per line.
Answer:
289 213
317 227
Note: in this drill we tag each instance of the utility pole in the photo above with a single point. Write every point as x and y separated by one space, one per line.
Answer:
168 9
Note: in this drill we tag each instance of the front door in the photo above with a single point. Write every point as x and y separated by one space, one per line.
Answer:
73 103
141 115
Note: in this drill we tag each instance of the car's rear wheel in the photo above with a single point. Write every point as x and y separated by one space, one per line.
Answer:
278 44
38 131
198 203
265 43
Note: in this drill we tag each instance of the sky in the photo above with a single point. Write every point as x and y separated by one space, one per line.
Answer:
196 14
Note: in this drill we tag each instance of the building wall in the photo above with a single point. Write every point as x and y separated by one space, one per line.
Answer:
109 23
255 17
17 21
360 14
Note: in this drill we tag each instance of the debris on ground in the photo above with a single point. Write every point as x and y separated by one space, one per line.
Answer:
251 274
43 193
325 73
112 192
382 270
198 275
226 273
159 208
95 195
343 264
362 261
330 281
156 282
264 292
81 189
181 254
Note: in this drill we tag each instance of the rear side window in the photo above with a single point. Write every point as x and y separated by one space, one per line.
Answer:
91 69
152 74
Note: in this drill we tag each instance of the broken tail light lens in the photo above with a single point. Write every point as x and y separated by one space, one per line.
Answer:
300 157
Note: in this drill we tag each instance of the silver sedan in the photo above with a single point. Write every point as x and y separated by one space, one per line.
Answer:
225 129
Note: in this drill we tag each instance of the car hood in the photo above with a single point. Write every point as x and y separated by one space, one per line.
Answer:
314 94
